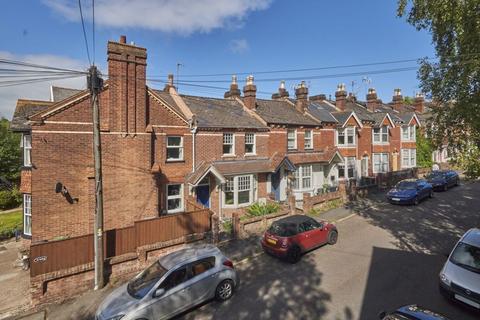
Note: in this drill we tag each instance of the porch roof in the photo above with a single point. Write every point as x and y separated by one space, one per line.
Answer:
223 168
326 156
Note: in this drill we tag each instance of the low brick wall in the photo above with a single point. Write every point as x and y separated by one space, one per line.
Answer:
255 225
310 202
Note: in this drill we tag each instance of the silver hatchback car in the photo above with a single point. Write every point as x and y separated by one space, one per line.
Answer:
460 276
173 284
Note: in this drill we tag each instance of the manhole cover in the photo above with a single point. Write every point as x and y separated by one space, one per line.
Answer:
3 248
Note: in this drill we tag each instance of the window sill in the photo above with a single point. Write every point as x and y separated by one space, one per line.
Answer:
347 146
174 160
175 211
381 143
250 154
229 155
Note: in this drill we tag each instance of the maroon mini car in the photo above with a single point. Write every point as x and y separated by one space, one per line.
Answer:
292 236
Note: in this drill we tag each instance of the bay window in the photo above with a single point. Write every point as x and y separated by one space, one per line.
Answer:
174 148
27 214
380 162
308 139
408 133
380 135
409 158
291 139
228 144
174 198
239 190
346 137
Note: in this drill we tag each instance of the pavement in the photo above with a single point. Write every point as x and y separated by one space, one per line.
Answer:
386 256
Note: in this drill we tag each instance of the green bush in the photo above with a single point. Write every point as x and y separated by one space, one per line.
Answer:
10 199
9 222
227 226
257 209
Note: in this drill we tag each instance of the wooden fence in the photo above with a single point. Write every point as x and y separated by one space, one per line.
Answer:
63 254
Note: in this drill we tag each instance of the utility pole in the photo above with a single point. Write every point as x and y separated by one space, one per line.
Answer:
95 84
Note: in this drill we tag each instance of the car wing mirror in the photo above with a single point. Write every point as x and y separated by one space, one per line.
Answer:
159 292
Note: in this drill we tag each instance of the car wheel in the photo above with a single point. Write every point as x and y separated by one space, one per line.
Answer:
445 187
456 182
415 201
294 254
430 195
224 290
332 237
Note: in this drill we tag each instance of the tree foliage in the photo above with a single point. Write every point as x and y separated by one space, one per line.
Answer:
452 80
10 153
424 150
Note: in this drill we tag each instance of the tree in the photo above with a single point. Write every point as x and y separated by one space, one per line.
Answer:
10 155
424 150
452 80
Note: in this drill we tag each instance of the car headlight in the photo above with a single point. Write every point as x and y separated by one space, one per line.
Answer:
445 279
117 317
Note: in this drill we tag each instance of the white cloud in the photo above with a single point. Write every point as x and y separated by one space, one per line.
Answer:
38 90
239 46
178 16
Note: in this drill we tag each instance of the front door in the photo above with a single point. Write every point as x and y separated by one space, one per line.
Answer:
203 195
276 185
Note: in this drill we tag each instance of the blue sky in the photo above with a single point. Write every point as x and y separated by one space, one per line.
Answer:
220 36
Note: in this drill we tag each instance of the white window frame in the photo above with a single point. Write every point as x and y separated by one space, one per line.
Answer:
27 213
348 131
230 143
236 184
303 173
253 143
180 147
409 158
383 132
409 132
381 159
294 131
27 150
309 139
172 197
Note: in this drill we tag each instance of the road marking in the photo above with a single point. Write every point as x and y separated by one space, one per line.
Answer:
345 218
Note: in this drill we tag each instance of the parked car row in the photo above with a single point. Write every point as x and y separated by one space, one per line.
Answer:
412 191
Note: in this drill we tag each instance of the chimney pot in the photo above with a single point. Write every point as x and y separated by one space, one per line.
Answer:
123 39
282 84
234 79
250 80
340 97
234 91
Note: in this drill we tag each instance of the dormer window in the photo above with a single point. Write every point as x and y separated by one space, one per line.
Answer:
380 135
346 137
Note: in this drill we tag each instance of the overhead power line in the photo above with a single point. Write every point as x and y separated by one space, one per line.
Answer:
32 65
29 81
84 32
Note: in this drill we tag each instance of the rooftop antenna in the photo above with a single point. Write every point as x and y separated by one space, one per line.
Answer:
178 70
353 86
366 81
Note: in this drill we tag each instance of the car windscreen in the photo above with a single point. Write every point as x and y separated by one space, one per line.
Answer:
283 229
139 286
406 185
436 175
467 257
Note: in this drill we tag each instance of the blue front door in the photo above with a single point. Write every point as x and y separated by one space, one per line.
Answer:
276 185
203 195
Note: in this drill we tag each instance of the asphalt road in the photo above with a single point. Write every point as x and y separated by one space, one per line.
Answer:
387 256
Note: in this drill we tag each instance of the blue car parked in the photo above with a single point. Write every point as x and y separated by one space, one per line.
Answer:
410 313
443 179
410 191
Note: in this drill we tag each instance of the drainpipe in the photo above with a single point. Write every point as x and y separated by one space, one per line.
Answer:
193 130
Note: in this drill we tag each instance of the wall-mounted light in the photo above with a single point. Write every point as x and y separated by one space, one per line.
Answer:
60 188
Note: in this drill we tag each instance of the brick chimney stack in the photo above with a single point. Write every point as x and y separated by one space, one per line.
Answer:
372 99
282 92
301 94
397 99
234 92
250 94
169 84
419 103
127 94
340 97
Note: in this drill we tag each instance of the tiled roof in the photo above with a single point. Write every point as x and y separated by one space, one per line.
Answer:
59 93
25 109
322 111
342 116
282 112
220 113
325 156
167 98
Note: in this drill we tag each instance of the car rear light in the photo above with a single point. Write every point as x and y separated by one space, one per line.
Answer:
228 263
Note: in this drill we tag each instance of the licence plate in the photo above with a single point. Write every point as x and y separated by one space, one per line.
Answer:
396 199
467 301
272 241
